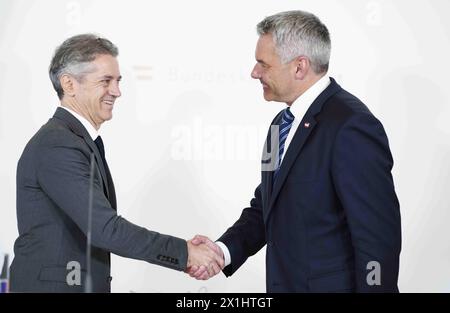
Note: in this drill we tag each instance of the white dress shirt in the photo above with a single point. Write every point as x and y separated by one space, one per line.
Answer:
298 109
301 105
89 127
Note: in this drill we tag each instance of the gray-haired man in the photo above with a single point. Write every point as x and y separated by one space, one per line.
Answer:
53 185
326 208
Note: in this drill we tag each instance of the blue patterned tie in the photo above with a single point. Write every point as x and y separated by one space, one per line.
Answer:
285 126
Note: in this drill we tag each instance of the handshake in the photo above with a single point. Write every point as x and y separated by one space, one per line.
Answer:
205 258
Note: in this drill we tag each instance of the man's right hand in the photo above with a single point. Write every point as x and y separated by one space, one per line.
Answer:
204 259
203 272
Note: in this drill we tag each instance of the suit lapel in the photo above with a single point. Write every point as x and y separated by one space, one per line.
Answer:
266 174
74 125
305 128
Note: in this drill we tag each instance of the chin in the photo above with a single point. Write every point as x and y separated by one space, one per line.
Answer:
268 97
107 117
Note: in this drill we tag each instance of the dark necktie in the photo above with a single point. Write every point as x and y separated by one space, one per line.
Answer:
285 125
101 148
109 184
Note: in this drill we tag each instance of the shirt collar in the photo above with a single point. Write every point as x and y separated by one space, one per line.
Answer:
302 103
90 129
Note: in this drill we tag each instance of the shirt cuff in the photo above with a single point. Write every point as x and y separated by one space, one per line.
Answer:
226 252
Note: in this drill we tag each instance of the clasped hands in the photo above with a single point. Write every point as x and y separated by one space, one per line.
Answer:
205 258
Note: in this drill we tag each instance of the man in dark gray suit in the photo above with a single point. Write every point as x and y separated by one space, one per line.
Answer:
53 186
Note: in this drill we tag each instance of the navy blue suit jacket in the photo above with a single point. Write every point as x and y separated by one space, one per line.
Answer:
332 209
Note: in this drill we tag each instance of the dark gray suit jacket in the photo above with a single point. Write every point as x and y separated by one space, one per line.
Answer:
52 213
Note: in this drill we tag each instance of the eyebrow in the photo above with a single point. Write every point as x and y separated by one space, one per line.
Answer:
110 77
260 61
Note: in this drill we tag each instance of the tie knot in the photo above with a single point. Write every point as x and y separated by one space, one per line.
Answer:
288 117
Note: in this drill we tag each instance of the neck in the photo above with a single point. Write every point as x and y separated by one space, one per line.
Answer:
306 83
73 105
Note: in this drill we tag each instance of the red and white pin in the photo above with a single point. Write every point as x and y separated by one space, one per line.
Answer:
306 125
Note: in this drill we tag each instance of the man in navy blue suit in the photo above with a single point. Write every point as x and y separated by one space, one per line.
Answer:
326 207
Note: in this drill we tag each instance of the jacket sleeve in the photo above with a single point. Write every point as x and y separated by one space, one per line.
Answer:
361 170
63 172
246 236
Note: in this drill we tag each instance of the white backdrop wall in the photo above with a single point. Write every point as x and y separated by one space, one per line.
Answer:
187 133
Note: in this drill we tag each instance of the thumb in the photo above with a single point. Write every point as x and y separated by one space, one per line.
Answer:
198 239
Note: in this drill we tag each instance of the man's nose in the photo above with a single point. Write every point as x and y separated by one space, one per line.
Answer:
255 72
114 90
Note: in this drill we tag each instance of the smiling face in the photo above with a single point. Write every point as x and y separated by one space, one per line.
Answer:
93 95
278 80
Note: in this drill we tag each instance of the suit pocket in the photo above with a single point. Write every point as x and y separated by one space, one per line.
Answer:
340 281
62 275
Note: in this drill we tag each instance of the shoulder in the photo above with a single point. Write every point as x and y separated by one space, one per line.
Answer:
343 108
55 133
54 136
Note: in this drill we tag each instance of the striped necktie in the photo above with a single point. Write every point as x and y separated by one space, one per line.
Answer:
285 125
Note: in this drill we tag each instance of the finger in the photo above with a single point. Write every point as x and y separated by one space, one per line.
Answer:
201 270
201 238
218 259
191 270
213 246
215 268
204 276
210 269
209 243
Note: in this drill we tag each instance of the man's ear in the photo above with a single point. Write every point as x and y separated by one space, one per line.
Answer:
302 67
68 84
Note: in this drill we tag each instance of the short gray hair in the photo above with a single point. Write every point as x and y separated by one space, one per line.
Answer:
74 55
299 33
